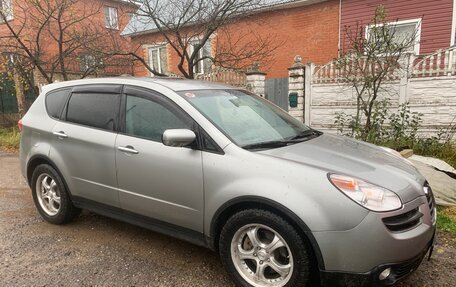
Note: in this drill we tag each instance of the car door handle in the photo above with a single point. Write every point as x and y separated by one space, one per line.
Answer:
60 134
128 149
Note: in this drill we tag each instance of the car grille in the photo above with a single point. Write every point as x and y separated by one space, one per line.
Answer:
404 221
430 198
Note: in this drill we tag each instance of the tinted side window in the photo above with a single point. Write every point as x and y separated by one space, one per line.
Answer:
148 119
55 101
95 110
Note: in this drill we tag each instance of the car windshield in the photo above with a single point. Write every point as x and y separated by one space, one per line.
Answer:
248 120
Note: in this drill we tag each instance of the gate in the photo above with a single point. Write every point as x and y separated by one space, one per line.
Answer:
8 102
277 92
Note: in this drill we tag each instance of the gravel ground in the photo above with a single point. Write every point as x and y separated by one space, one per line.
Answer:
98 251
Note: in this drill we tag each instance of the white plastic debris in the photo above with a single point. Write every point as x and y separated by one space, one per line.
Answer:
443 186
435 162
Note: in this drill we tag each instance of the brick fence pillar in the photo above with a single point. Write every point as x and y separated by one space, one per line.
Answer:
296 76
256 81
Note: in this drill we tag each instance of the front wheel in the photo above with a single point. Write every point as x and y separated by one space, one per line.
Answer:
261 249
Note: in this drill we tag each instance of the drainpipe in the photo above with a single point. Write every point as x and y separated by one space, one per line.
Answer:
340 23
453 25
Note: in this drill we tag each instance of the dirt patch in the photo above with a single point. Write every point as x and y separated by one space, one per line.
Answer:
441 269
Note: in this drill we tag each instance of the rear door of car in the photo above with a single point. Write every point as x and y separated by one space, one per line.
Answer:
158 181
84 138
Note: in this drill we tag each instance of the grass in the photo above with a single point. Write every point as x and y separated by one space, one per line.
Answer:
445 152
446 219
10 138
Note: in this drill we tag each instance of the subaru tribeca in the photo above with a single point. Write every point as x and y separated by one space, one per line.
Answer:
282 204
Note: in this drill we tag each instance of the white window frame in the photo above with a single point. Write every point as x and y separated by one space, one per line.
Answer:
7 5
200 52
89 61
111 16
417 22
157 48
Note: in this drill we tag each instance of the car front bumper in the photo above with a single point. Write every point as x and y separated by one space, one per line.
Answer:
399 271
356 257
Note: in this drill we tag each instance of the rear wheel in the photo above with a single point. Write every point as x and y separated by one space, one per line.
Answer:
51 196
261 249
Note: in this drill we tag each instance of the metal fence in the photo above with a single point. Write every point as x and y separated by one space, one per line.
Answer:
225 76
8 102
440 63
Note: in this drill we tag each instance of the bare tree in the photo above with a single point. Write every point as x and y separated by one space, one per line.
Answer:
51 35
188 26
370 62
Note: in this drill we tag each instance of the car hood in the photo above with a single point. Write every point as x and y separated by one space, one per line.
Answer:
343 155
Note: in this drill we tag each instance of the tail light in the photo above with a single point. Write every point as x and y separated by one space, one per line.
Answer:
19 124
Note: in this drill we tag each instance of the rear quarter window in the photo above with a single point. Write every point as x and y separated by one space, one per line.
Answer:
55 101
96 110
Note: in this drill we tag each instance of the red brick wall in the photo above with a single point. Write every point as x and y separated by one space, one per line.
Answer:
436 18
310 31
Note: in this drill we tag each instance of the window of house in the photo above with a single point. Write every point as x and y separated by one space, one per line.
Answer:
158 59
111 20
89 62
94 109
149 119
403 32
203 66
6 6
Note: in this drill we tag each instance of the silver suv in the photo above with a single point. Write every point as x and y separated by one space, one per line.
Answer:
283 204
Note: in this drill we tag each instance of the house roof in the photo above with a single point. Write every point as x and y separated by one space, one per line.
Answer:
140 24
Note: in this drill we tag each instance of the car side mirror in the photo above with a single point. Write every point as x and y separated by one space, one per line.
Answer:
178 137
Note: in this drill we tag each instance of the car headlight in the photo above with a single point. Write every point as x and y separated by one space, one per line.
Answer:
367 195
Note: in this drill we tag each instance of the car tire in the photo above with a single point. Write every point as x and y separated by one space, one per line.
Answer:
276 256
51 196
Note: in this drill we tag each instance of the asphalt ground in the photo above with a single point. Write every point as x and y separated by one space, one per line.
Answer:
98 251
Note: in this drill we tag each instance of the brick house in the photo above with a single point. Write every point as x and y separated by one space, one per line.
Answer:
309 28
316 30
107 17
433 21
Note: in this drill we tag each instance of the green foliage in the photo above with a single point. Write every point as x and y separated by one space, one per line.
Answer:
399 130
10 138
400 126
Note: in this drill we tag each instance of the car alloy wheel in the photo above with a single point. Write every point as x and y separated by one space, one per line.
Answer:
51 196
261 256
48 194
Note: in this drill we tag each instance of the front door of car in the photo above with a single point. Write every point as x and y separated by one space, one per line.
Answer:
154 180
